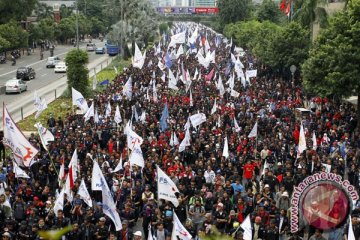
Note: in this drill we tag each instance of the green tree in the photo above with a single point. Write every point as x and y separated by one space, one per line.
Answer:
232 11
65 30
98 27
14 34
333 67
43 11
65 11
16 10
4 44
269 11
242 33
77 73
308 11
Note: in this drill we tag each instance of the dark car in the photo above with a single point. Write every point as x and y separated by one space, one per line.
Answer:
25 73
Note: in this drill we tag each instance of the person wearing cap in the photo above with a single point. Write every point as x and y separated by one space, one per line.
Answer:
101 231
220 217
284 201
6 236
137 235
258 230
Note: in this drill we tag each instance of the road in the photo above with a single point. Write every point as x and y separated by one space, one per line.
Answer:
44 76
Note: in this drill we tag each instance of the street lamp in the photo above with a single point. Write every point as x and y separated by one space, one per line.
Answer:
292 70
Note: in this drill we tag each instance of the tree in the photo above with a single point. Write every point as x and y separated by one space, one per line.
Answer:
269 11
4 44
65 30
231 11
16 10
308 11
14 34
65 11
333 67
77 73
43 11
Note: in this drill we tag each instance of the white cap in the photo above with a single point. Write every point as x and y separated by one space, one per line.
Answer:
138 233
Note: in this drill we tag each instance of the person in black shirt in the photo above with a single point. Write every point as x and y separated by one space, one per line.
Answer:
272 232
220 217
101 231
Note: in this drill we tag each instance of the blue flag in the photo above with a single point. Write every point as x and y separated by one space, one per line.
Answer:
105 82
164 117
168 61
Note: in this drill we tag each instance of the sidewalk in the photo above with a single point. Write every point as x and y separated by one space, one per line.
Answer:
24 107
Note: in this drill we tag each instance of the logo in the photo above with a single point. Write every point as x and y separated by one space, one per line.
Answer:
80 101
28 154
9 124
322 200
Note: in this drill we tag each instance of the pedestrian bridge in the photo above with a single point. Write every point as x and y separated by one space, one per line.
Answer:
52 3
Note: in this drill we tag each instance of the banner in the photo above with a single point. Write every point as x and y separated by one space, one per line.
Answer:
166 187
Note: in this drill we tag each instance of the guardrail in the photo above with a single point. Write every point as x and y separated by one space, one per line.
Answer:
49 92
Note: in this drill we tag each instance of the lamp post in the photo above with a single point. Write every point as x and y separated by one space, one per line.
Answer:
292 70
77 25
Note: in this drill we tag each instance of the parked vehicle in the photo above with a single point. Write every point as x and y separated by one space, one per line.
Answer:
52 61
15 86
60 67
112 50
100 50
2 59
25 73
90 47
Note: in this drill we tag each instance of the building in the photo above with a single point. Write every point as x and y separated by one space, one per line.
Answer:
52 3
205 3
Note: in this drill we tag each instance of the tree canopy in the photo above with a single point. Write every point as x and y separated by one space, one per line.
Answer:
16 10
333 67
231 11
77 73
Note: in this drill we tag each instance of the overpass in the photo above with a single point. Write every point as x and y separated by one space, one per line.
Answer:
52 3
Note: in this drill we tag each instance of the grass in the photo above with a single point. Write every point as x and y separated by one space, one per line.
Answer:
59 108
62 106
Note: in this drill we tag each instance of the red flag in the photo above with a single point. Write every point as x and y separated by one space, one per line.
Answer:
288 9
283 5
209 76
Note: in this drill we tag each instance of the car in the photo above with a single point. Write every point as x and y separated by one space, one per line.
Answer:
100 50
25 73
15 86
90 47
60 67
52 61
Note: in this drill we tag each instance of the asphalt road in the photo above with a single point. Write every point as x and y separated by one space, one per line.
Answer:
44 76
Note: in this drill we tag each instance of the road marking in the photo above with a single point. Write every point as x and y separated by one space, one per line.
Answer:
43 75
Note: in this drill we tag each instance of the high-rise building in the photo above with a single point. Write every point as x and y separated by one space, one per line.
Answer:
205 3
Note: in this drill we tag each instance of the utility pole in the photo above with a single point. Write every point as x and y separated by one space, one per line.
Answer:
77 25
122 27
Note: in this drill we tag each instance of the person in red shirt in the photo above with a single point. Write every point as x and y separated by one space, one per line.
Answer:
248 170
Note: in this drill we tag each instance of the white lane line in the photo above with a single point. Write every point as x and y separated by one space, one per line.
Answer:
43 75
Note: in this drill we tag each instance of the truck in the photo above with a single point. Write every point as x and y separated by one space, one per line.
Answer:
112 50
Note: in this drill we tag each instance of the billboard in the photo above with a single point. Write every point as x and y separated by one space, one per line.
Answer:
187 10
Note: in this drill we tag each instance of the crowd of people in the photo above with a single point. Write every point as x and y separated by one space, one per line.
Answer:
214 191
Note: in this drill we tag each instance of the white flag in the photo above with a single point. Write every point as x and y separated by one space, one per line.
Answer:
176 140
350 235
314 141
266 165
179 230
172 81
136 156
79 100
196 74
132 138
62 174
226 148
108 110
150 236
191 99
236 126
302 140
94 83
117 117
116 70
250 73
40 108
19 173
90 112
13 138
185 142
197 119
253 132
45 135
59 202
155 96
179 52
172 139
119 166
138 60
84 194
96 117
213 109
246 226
96 177
220 86
187 124
109 207
177 38
166 187
327 167
127 89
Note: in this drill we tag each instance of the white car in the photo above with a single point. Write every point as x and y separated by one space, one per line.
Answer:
60 67
15 86
52 61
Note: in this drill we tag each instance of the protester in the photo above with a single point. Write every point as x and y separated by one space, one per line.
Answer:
218 187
